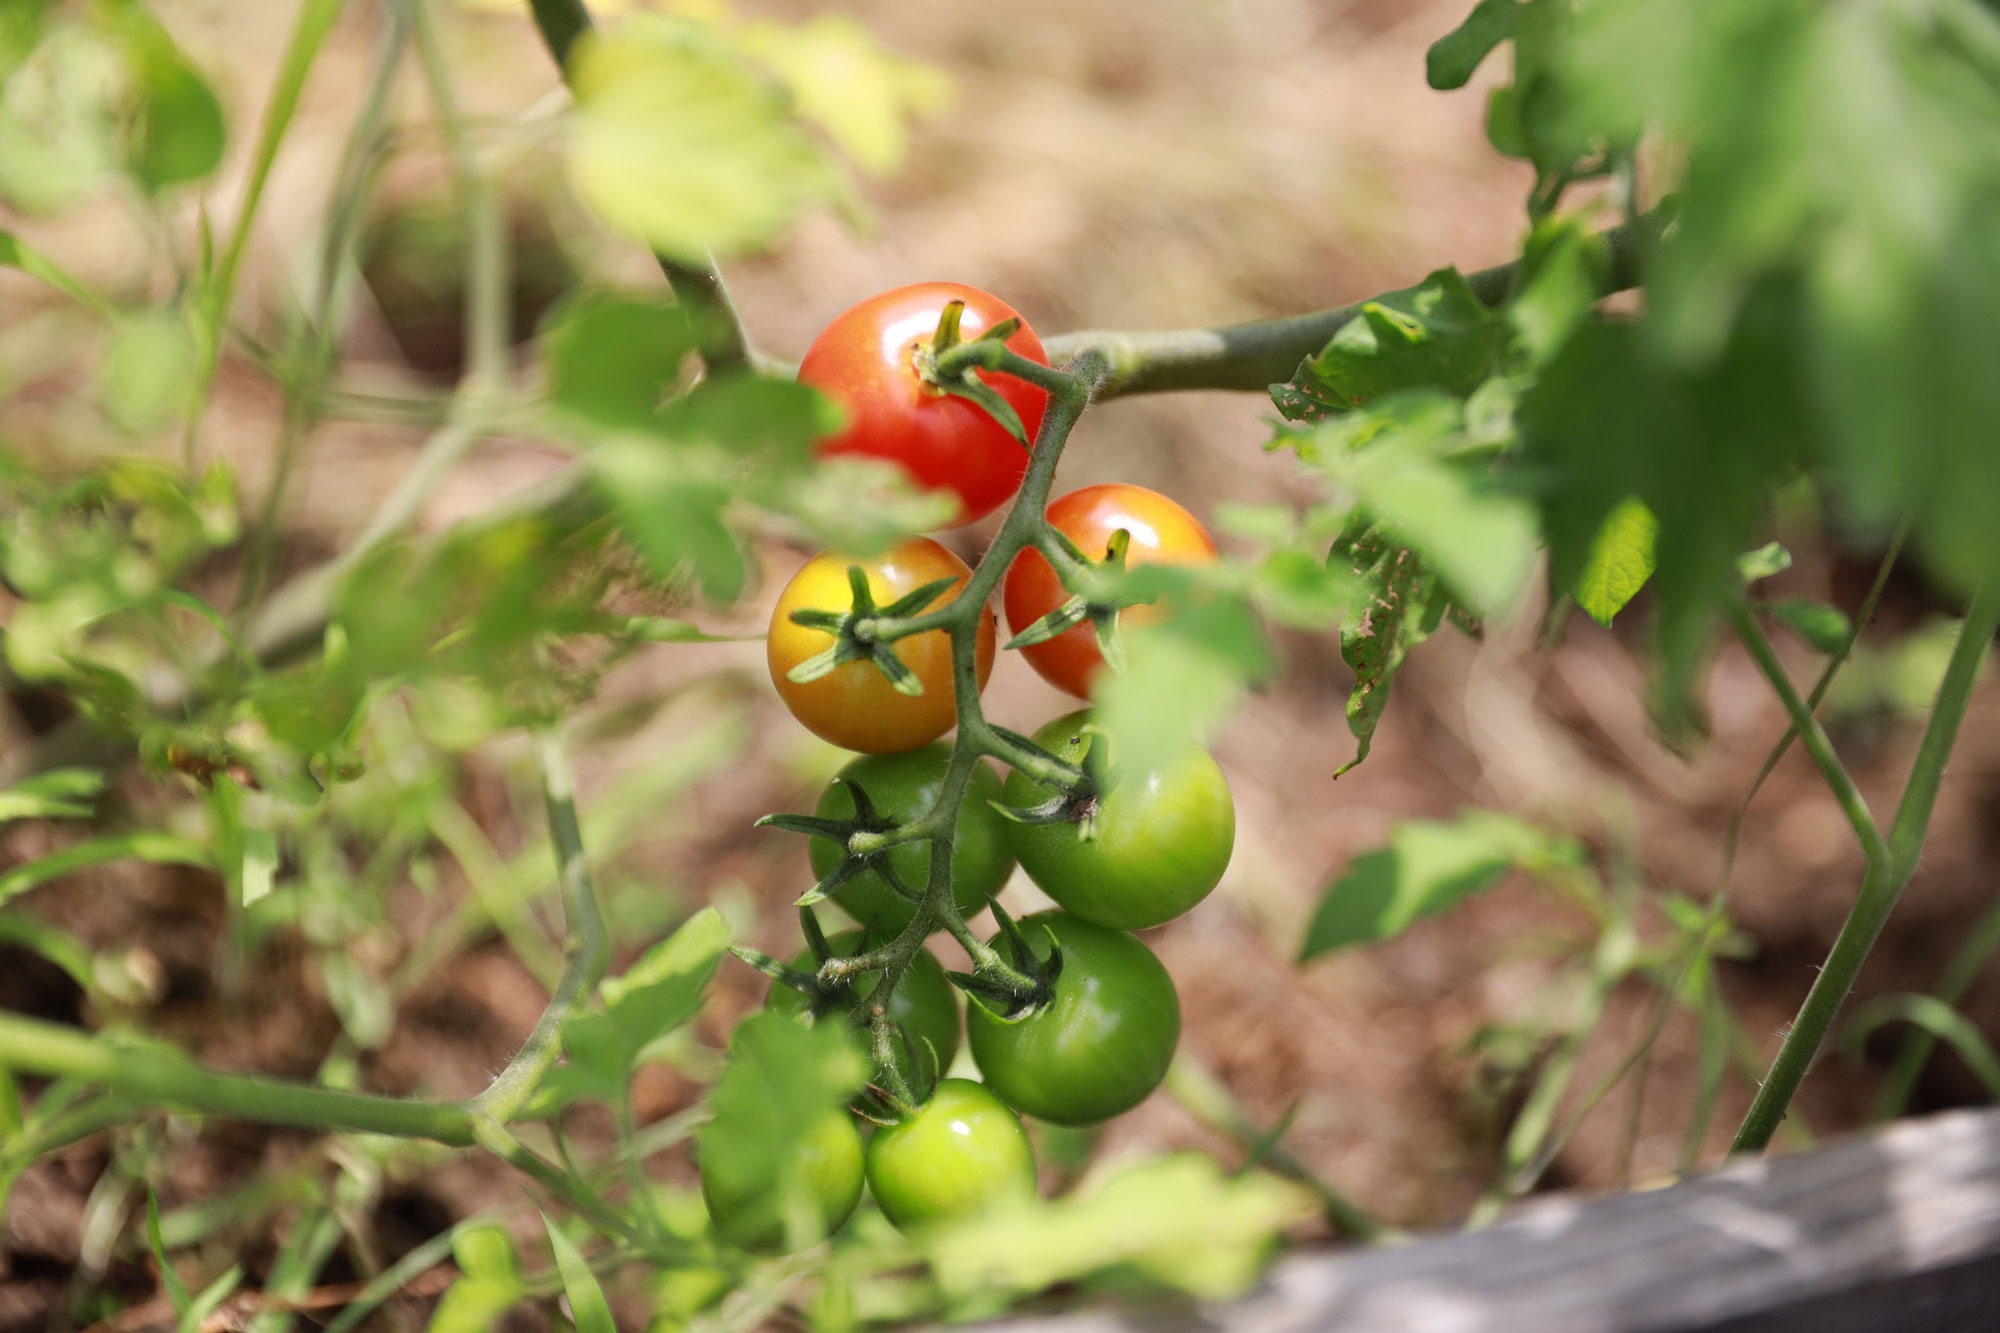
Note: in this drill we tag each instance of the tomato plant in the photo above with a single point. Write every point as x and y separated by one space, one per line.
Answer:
871 359
924 1003
820 1179
855 705
960 1153
900 788
1158 532
1100 1045
1141 849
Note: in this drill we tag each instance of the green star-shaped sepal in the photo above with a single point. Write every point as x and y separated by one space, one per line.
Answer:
853 632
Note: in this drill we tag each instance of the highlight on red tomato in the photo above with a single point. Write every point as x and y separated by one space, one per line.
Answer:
854 706
867 361
1159 839
1161 532
1104 1042
899 789
962 1152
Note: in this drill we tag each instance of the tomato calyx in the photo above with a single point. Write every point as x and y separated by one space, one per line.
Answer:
1012 990
958 376
1089 601
1075 802
857 633
841 832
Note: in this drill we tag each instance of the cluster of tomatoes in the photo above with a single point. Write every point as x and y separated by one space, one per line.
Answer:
1130 850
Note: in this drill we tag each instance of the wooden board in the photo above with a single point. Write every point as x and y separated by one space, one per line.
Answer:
1895 1233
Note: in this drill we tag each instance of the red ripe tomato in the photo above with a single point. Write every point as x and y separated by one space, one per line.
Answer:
865 360
854 706
1162 533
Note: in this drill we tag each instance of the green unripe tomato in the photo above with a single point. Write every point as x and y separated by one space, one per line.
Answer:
1162 837
825 1167
924 1002
900 788
1100 1046
961 1153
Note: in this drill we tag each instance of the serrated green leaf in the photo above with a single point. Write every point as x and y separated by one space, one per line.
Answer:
663 989
1427 868
1434 335
1619 563
1452 58
677 140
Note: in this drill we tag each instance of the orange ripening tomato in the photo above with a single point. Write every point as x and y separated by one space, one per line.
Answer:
855 706
1162 533
866 360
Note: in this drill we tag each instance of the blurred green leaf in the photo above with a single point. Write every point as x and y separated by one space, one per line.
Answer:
678 141
60 793
59 120
1452 58
612 361
588 1310
672 509
1619 563
1824 627
663 988
144 373
17 253
160 848
840 77
490 1286
1178 1221
1767 561
782 1080
177 131
1606 426
1183 675
1935 1017
1427 868
1560 275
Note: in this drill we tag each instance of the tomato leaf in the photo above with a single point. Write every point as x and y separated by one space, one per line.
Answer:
663 989
1179 1221
490 1286
1452 58
1436 334
1427 868
1399 606
1619 563
1825 627
679 140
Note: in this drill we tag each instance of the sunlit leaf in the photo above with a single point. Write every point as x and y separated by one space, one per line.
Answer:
1427 868
1434 335
60 793
678 140
1619 563
1180 1221
841 77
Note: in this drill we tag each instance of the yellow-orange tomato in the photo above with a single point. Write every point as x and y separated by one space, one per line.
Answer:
1162 533
854 706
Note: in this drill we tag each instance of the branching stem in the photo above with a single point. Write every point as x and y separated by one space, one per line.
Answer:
1882 885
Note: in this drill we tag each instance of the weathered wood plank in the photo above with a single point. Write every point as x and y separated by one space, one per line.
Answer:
1894 1233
